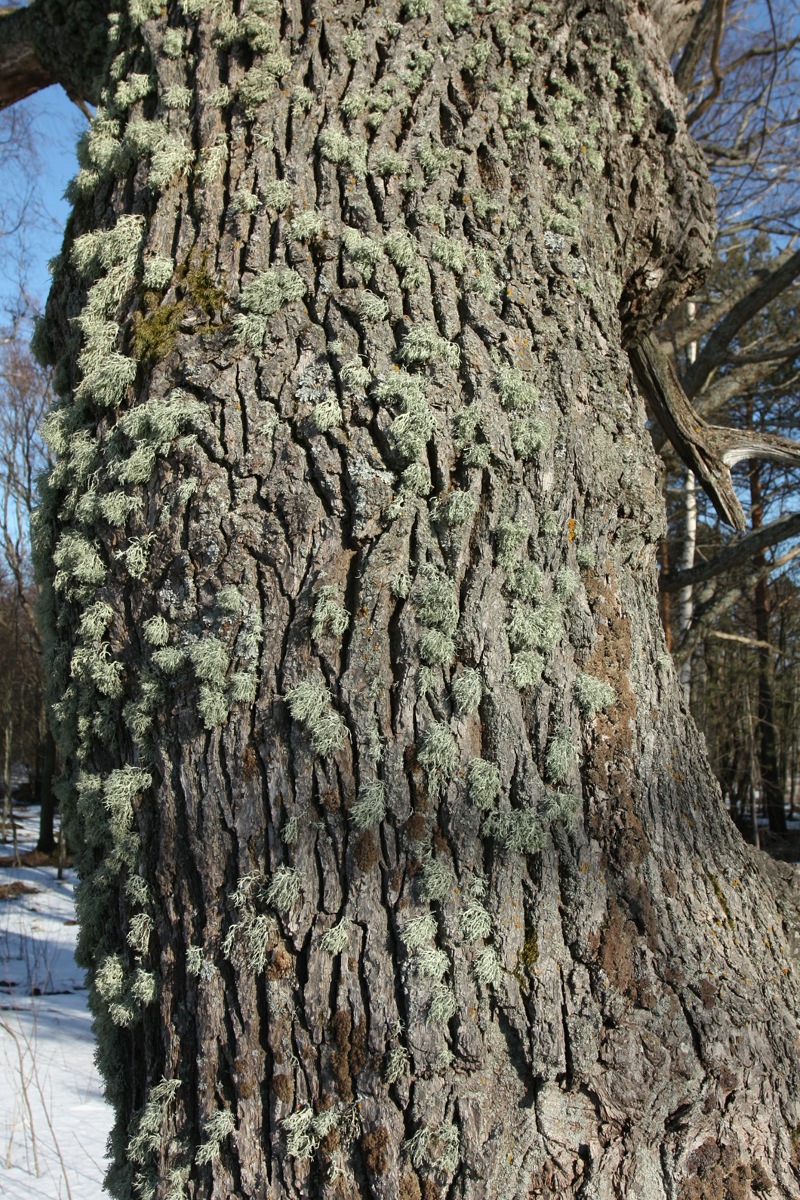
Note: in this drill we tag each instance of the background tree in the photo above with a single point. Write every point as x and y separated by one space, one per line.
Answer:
735 342
404 873
25 397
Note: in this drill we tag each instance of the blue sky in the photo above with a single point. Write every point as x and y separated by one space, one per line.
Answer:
56 126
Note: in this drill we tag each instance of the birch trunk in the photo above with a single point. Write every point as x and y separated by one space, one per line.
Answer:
404 871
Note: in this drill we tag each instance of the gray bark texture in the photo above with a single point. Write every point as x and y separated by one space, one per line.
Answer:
404 872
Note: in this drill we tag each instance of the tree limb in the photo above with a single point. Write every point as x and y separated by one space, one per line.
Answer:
21 72
684 428
707 19
708 450
52 41
738 552
714 351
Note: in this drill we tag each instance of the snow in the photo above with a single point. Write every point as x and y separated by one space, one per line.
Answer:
54 1121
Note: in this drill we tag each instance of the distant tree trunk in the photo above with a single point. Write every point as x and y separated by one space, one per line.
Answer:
45 770
404 871
767 733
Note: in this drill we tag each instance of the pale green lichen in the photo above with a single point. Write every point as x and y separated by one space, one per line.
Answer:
593 694
438 757
517 393
372 308
433 158
432 963
283 889
277 194
261 81
529 435
327 414
561 756
370 807
467 691
354 43
520 830
483 782
306 226
140 929
422 344
131 89
329 615
309 703
145 1135
457 508
243 201
173 43
450 254
301 99
526 669
443 1005
418 931
476 921
437 649
218 1127
194 960
338 148
413 429
269 290
397 1065
525 580
402 250
355 375
171 159
436 880
178 97
353 103
158 271
487 969
458 14
388 162
365 252
401 585
436 602
305 1130
334 940
210 659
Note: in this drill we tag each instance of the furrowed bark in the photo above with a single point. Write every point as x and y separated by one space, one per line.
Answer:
404 872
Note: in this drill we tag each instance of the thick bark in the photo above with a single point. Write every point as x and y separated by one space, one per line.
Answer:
404 871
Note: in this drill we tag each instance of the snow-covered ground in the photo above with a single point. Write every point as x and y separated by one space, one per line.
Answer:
53 1119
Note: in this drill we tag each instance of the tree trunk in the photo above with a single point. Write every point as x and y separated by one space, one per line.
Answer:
404 872
46 767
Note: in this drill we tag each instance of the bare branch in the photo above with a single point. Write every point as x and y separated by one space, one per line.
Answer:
714 351
733 555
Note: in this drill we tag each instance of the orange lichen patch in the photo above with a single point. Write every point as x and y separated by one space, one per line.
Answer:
281 964
617 949
340 1027
375 1148
249 764
283 1088
416 827
331 800
366 851
714 1172
409 1187
610 768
